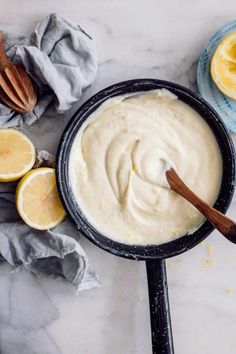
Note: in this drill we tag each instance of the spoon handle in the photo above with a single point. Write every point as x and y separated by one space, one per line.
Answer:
221 222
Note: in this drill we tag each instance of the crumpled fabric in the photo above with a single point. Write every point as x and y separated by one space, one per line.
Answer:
62 61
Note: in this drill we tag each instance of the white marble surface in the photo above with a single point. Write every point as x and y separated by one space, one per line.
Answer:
159 39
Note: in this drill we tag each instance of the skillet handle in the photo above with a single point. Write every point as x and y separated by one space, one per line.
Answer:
162 341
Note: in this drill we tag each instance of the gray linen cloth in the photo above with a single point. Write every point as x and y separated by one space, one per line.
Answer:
52 253
61 58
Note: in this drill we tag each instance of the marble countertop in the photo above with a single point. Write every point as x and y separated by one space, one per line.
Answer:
157 39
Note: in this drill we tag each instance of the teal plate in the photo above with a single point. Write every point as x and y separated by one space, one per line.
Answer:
225 106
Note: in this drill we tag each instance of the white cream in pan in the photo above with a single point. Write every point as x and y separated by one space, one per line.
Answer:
116 164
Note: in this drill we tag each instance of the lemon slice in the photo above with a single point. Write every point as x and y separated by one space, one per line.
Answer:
17 155
37 199
223 66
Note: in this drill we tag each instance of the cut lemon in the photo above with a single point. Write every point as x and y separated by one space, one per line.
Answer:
17 155
37 199
223 66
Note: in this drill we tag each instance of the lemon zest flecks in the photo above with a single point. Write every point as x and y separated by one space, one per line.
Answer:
208 262
229 291
130 235
210 249
203 243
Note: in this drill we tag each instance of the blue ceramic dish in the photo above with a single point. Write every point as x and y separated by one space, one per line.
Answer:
224 106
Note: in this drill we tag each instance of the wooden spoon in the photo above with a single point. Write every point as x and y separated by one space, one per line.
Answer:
221 222
16 88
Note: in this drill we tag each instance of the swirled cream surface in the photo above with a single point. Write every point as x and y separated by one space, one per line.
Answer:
117 160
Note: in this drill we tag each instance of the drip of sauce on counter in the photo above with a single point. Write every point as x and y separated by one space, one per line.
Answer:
117 162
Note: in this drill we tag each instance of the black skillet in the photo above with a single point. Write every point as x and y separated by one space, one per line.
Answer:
153 255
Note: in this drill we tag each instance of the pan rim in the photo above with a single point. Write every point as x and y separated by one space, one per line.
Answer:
146 252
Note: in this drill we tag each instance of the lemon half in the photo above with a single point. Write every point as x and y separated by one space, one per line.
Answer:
223 66
17 155
37 199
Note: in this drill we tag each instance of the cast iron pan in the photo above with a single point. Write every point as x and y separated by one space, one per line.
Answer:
153 255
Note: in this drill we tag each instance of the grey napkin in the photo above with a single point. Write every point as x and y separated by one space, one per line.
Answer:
61 59
51 253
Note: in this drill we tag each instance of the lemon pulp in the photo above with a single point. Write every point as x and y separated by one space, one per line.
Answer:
223 66
38 201
17 155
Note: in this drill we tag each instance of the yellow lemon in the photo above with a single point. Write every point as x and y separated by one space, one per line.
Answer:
38 201
223 66
17 155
